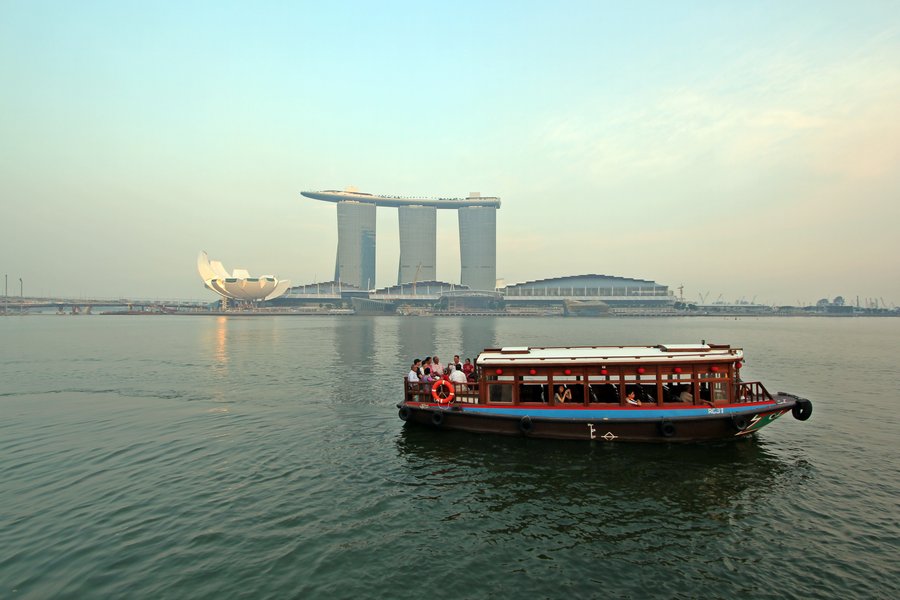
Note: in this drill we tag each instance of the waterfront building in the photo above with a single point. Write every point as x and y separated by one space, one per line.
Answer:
418 250
239 284
418 240
617 294
355 262
478 247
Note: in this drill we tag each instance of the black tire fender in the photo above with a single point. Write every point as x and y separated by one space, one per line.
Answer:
404 413
802 409
526 426
437 418
667 428
740 422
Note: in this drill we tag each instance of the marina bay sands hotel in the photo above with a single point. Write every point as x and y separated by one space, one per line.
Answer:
355 262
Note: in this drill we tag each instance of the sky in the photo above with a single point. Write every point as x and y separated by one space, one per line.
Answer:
742 150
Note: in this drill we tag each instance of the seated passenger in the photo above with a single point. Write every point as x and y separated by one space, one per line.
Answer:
562 394
686 395
630 399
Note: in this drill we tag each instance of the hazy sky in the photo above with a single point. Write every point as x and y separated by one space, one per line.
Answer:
744 149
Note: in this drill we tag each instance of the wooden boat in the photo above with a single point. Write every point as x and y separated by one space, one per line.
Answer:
665 393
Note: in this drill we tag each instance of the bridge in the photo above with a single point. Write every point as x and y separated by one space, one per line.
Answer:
18 304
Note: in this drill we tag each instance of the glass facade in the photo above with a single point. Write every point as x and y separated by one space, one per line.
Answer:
355 262
418 247
478 247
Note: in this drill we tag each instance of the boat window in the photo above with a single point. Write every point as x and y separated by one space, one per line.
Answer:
573 383
533 389
713 386
567 378
604 393
500 387
719 391
500 392
675 384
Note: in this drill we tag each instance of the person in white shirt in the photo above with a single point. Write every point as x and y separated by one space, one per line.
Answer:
458 379
413 375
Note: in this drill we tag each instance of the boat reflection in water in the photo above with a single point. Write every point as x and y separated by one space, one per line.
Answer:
598 484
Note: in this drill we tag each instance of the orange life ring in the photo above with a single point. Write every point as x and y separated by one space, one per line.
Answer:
437 389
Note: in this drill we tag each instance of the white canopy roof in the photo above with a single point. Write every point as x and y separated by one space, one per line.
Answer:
681 353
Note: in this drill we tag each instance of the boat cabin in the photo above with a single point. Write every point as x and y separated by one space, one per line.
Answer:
607 376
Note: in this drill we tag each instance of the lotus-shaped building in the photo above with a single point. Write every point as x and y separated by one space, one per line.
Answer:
239 285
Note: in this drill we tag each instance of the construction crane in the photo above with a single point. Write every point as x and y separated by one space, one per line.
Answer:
703 297
681 292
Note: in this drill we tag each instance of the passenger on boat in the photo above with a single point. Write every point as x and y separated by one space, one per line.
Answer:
468 368
630 399
456 363
436 368
686 395
458 378
427 377
562 394
413 376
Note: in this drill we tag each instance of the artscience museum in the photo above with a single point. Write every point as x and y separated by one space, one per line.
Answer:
239 285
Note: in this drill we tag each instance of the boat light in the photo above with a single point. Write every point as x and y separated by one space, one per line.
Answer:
604 372
499 371
714 369
568 371
738 365
532 372
641 370
676 370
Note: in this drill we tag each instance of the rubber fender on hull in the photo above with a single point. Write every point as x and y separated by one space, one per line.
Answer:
802 409
437 418
404 413
740 422
525 425
667 428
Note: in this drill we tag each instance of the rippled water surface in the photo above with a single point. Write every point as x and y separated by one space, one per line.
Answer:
202 457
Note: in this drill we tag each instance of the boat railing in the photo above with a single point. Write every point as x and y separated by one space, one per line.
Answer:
752 391
466 393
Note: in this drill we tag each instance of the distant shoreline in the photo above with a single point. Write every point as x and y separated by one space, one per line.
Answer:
351 313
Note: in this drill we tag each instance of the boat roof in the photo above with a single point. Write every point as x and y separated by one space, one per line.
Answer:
682 353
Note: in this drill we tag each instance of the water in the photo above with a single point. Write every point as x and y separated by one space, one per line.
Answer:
202 457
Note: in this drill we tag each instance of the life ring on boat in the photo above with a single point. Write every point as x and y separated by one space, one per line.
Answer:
404 413
525 425
802 409
437 418
740 422
667 428
442 391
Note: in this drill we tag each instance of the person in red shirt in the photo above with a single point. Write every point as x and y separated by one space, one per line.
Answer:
469 369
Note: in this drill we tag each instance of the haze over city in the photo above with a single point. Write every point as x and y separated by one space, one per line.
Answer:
739 150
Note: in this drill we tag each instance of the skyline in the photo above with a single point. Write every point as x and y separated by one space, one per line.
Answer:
743 151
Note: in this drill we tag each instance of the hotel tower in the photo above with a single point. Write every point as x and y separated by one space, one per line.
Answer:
355 262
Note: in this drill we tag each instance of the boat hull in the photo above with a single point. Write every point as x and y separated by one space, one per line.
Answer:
640 424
